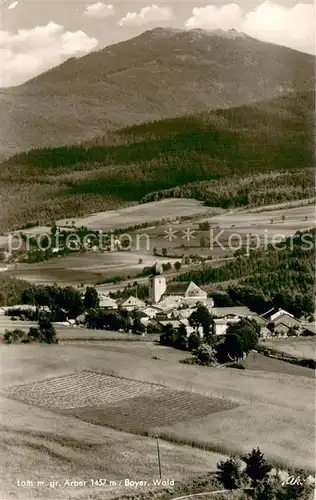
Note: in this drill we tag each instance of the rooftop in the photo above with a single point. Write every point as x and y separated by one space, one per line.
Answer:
234 311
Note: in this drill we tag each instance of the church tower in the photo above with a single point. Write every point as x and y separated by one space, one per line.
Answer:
157 284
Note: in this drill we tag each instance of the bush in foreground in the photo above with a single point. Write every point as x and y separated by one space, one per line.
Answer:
229 473
265 483
15 336
257 468
44 334
204 355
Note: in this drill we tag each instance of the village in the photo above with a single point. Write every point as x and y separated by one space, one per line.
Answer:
162 309
157 250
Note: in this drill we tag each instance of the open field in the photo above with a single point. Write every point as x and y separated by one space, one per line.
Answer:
142 348
78 390
169 209
228 231
299 347
276 411
140 214
265 424
124 404
256 361
230 226
94 267
71 333
89 267
295 218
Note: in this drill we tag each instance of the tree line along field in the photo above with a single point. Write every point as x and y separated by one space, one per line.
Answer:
275 411
212 157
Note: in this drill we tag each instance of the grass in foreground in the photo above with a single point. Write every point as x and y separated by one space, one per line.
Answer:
276 409
38 445
277 432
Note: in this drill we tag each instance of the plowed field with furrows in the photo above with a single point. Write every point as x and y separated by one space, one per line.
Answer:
79 390
159 408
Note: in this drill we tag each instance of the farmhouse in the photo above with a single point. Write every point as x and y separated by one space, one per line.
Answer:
275 314
309 330
184 313
133 303
281 322
194 294
169 301
221 324
150 312
182 323
231 312
105 302
265 332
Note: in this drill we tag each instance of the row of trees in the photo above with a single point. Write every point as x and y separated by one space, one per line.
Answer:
67 303
11 290
141 291
251 296
63 302
119 320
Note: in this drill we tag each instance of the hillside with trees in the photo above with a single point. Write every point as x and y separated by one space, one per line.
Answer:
280 276
226 157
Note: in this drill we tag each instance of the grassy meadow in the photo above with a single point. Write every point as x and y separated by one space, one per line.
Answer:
276 410
39 445
299 347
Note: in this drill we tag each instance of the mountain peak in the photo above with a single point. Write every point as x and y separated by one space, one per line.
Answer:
161 73
159 30
195 33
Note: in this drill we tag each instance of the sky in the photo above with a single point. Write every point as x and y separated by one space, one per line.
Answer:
36 35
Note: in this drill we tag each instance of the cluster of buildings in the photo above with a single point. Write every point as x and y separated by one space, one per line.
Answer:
175 309
162 309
